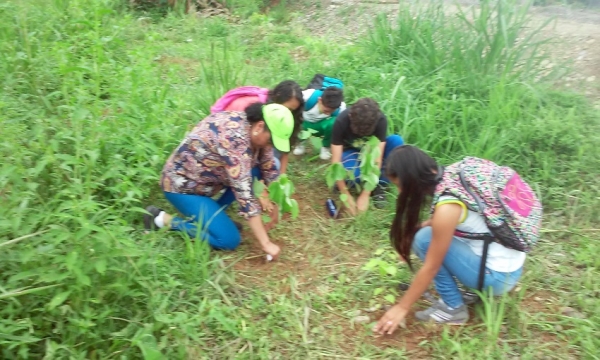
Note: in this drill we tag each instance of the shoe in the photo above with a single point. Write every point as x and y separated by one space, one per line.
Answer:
470 298
379 197
299 150
325 154
440 313
149 224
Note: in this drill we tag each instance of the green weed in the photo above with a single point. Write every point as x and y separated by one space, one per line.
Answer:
96 97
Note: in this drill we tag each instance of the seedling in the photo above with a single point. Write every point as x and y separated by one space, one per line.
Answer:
369 171
280 192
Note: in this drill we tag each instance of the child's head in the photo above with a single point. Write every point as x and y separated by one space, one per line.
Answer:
416 175
330 100
364 116
289 94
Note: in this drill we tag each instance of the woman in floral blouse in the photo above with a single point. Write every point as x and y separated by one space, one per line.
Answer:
224 151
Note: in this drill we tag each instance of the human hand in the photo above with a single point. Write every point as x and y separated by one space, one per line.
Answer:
362 203
272 249
266 204
389 322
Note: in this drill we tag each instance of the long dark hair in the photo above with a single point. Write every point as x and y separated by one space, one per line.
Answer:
283 92
416 174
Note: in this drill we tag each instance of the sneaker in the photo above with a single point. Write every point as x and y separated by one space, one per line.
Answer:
325 154
379 197
299 150
149 218
440 313
470 298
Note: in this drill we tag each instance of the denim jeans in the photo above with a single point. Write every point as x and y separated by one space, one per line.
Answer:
462 264
351 162
217 227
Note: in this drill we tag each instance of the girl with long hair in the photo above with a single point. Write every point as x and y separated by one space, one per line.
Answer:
447 257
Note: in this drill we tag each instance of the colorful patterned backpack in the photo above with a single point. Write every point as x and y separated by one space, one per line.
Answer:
511 209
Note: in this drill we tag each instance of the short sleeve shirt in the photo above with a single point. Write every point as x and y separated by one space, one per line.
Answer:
342 135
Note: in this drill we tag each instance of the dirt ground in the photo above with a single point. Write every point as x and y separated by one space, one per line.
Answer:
575 33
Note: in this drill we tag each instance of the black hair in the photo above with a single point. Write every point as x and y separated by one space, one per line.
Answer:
283 92
416 174
364 117
332 97
254 113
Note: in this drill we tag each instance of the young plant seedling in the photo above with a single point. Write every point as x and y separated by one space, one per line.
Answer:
369 171
385 265
280 192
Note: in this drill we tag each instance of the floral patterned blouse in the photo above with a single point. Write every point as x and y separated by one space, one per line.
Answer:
216 154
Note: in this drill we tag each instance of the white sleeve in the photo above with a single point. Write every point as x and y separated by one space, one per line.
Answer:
306 94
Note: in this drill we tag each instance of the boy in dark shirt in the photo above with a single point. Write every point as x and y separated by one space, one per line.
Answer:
350 130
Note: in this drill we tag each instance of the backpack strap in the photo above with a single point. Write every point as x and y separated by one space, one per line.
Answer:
486 244
486 239
312 100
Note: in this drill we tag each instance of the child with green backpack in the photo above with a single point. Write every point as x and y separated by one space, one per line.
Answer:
323 101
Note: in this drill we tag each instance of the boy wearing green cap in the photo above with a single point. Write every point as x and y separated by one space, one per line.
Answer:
225 151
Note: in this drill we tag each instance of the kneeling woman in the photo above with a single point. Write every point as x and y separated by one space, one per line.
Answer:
446 257
224 151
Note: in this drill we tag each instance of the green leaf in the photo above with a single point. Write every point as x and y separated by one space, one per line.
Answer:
339 171
344 199
148 346
379 251
372 264
295 209
258 187
100 266
276 193
378 291
391 269
58 299
390 298
371 181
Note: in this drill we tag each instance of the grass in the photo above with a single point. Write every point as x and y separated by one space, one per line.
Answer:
95 98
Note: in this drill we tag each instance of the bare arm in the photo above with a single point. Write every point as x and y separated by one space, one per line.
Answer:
444 222
443 225
260 233
284 163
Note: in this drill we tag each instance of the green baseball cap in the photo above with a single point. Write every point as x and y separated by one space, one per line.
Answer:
280 121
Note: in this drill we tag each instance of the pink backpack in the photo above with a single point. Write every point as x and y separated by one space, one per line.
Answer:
231 95
511 209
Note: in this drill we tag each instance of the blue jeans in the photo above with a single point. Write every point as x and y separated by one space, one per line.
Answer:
217 227
350 158
462 264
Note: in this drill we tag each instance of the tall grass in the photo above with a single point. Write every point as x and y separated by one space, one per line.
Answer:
467 84
95 98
